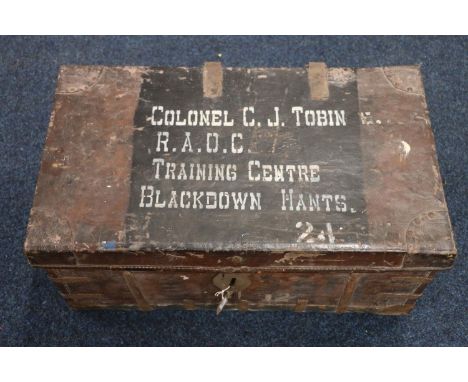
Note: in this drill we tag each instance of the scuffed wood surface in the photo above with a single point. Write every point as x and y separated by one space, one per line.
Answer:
77 227
381 293
404 195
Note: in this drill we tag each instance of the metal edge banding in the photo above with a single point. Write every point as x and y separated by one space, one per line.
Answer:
301 305
135 291
348 292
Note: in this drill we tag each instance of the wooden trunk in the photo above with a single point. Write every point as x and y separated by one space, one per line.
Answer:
288 188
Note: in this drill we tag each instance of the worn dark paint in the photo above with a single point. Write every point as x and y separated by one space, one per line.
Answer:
79 227
335 149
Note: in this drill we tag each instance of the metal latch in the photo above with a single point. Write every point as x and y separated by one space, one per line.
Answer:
228 284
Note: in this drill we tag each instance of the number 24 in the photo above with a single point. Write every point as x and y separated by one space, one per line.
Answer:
307 235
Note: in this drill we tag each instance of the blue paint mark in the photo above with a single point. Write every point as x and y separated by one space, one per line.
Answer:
109 244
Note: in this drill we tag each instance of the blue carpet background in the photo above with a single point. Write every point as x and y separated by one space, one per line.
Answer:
33 313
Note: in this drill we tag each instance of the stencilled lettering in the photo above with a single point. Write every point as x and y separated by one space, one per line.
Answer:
278 162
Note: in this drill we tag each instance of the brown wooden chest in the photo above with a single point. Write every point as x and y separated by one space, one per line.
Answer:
243 188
